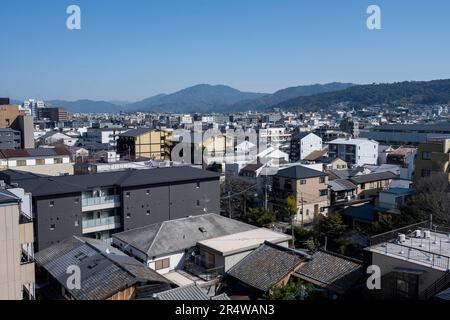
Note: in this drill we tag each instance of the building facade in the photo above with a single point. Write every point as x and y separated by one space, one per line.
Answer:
433 157
354 151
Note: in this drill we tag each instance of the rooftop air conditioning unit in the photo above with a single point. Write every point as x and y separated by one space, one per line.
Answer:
401 237
417 233
427 234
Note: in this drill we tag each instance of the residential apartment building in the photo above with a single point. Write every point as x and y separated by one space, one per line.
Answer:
354 151
309 188
144 143
10 139
17 281
105 135
46 161
274 136
433 157
98 205
303 144
9 115
405 158
53 114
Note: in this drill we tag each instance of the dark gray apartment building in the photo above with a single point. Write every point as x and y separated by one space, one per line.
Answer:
10 139
102 204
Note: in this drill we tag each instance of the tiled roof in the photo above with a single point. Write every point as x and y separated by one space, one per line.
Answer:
176 235
300 172
315 155
267 266
190 292
341 185
104 270
373 177
335 272
33 153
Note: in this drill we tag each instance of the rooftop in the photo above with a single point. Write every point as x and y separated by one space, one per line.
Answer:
33 153
176 235
135 132
432 251
371 177
243 241
355 142
300 172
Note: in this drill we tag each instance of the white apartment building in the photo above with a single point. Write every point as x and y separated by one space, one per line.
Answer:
354 151
302 144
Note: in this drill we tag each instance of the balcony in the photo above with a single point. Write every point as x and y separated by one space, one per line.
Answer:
101 224
26 257
99 203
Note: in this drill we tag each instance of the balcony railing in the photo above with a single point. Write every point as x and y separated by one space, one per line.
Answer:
100 200
93 223
26 258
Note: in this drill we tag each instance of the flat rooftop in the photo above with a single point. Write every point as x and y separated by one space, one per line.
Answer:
432 252
243 241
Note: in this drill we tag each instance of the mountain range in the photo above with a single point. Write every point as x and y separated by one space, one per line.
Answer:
205 98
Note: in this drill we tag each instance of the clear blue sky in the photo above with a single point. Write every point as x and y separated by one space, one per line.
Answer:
129 50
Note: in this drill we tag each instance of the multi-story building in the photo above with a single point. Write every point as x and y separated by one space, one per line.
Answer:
10 139
99 205
303 144
354 151
144 143
308 186
46 161
414 262
105 135
53 114
405 158
33 105
17 281
433 157
274 136
9 115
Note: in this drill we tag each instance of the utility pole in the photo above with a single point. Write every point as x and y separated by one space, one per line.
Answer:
229 204
265 197
303 212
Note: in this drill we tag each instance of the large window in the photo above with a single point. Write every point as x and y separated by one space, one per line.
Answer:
323 192
162 264
21 163
58 160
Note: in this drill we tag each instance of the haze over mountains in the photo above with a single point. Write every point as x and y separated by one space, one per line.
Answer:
205 98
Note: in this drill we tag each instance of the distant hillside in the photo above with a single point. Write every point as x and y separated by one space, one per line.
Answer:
199 98
420 92
289 93
86 106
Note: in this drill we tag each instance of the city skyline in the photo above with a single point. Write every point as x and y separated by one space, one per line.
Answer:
131 52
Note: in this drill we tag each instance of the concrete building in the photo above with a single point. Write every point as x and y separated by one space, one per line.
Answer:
98 205
144 143
433 157
303 144
17 281
53 114
414 262
10 139
354 151
104 135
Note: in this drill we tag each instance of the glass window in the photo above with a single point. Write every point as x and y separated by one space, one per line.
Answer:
426 155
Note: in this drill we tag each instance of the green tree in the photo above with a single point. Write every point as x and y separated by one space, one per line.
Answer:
259 217
289 209
330 226
291 291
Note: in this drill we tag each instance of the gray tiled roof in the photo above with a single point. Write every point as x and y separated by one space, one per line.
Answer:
103 272
330 270
190 292
176 235
127 178
300 172
341 185
267 266
135 132
373 177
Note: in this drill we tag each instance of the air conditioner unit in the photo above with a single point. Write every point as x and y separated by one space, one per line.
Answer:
427 234
401 237
417 233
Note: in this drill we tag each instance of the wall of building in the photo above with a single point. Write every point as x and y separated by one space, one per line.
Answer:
13 275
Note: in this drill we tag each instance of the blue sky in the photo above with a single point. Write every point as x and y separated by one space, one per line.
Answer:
129 50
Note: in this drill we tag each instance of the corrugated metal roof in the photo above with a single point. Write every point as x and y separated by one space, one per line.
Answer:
33 153
191 292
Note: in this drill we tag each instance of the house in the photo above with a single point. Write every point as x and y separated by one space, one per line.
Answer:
309 188
303 144
48 161
53 137
354 151
268 266
342 190
317 155
405 158
333 274
369 185
333 164
98 205
165 246
187 293
105 272
393 199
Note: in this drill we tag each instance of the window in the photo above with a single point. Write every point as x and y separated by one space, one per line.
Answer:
303 181
128 194
52 203
77 224
198 184
76 201
426 173
162 264
21 163
148 192
322 179
52 226
58 160
128 215
363 186
323 192
40 162
402 288
148 212
426 155
198 203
